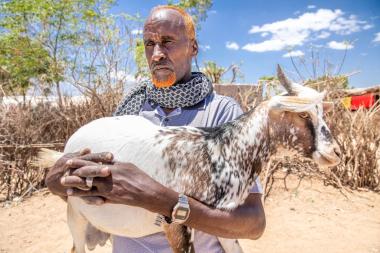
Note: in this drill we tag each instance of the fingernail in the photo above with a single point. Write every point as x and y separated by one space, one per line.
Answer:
109 156
69 162
105 170
69 191
63 180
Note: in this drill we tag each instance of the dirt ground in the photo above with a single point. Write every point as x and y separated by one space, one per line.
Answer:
310 218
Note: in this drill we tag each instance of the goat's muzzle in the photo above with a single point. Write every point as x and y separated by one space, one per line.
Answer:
328 156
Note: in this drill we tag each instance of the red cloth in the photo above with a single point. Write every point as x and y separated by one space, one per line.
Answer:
366 101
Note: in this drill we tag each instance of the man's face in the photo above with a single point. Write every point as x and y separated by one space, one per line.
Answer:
167 48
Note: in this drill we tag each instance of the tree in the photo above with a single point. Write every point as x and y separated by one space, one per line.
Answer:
58 26
101 62
215 72
196 8
140 59
21 62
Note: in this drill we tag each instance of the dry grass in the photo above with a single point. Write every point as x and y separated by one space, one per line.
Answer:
25 128
358 135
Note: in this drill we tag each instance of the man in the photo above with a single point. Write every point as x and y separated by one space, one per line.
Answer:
175 97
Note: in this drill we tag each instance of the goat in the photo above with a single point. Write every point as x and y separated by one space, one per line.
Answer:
216 166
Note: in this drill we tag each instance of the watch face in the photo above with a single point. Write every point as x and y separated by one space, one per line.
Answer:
181 213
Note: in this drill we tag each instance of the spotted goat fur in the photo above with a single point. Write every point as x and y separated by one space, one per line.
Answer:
216 166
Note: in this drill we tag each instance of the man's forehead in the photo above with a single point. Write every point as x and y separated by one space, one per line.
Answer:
167 17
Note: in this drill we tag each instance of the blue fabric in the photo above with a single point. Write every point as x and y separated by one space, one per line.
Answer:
212 111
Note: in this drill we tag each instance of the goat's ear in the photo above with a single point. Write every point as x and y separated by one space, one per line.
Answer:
328 106
290 103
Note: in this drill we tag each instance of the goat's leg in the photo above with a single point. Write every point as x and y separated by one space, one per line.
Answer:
94 237
179 238
77 224
230 245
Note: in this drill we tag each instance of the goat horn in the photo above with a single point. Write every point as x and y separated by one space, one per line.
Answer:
285 82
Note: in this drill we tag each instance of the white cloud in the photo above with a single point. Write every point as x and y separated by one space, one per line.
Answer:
205 47
340 45
311 6
268 45
291 32
297 53
377 37
137 31
368 26
323 35
212 12
232 45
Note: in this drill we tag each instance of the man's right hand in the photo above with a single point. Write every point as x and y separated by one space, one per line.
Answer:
55 179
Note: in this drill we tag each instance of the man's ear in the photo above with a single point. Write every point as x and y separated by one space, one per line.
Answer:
194 47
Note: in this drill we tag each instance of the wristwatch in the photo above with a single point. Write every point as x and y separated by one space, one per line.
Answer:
181 210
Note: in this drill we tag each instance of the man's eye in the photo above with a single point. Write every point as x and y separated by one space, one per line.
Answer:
149 44
167 42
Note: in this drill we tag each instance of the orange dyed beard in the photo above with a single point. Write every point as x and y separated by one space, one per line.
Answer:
164 83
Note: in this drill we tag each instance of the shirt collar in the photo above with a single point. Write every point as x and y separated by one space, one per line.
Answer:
158 110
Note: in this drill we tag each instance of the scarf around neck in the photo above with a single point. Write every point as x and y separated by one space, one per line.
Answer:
179 95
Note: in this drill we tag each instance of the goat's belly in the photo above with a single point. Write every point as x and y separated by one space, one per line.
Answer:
117 219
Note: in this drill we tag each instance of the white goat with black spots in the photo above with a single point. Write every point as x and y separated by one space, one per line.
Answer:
216 166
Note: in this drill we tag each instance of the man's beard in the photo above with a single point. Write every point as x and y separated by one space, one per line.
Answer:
165 83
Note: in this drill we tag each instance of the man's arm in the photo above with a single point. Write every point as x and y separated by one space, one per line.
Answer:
124 183
246 221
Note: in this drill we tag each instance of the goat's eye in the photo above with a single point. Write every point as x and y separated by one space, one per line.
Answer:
304 115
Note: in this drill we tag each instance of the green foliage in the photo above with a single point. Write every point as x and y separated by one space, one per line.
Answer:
21 60
196 8
140 59
329 83
213 71
55 26
268 78
217 74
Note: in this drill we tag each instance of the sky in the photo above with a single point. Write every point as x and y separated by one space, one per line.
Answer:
259 34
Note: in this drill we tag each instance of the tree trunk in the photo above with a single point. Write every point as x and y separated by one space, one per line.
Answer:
59 94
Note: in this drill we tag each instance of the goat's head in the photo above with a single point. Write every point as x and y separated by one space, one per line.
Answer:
298 124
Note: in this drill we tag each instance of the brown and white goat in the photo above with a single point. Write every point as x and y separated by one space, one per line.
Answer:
216 166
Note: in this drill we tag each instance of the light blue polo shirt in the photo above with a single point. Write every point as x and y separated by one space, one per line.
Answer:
213 111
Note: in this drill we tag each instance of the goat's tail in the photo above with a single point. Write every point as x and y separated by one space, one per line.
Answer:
46 158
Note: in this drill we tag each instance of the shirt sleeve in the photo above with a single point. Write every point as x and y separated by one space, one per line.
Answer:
231 113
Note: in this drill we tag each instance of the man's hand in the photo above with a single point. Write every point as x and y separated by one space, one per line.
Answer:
122 183
57 175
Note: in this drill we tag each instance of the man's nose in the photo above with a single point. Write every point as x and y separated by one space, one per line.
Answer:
158 54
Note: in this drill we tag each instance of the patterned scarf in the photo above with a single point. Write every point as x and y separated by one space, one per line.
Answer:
178 95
